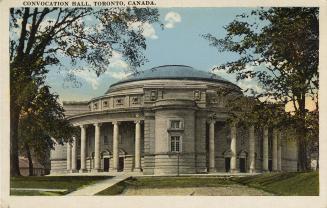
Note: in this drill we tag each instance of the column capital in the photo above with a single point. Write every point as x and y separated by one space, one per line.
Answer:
251 126
97 124
116 122
211 121
138 121
233 124
275 130
83 126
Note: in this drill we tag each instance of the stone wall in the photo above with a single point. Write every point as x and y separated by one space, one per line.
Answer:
200 142
167 162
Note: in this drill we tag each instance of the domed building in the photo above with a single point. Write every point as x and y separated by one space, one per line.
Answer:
168 120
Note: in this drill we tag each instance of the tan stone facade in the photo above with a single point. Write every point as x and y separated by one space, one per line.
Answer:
167 124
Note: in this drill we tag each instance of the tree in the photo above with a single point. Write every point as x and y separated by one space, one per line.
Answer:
53 36
280 51
41 120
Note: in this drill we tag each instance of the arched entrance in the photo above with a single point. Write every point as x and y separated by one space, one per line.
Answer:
105 155
227 155
121 161
242 161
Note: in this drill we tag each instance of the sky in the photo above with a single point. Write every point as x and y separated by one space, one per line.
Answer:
180 42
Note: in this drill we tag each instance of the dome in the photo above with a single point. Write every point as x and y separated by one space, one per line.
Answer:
179 72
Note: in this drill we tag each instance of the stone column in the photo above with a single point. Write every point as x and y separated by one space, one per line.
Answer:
212 156
252 149
265 150
115 150
83 149
74 158
97 160
279 152
233 167
274 150
69 156
137 167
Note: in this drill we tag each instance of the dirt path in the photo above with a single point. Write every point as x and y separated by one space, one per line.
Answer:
231 190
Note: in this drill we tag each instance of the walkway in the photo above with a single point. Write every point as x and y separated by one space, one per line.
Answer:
99 186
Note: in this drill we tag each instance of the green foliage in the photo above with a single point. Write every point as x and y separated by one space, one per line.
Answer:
286 46
44 37
280 51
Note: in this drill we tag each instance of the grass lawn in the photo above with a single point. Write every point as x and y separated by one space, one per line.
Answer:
166 182
71 183
284 184
280 184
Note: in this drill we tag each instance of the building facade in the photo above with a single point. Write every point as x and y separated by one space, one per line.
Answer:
168 120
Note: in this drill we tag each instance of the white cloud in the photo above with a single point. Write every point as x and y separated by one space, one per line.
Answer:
118 67
148 30
117 62
118 75
171 19
89 76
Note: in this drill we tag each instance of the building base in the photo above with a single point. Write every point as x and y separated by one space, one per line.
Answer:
212 170
252 171
83 171
113 170
137 170
233 171
96 170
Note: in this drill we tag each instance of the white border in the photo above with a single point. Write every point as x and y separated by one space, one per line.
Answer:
171 201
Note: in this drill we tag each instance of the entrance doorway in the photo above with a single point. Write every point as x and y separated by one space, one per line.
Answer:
242 165
105 164
78 165
121 164
227 164
270 165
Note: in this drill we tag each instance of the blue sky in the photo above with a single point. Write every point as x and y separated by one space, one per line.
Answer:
179 43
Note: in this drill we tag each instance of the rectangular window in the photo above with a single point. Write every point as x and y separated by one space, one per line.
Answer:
175 143
153 95
119 101
175 124
135 100
197 95
105 140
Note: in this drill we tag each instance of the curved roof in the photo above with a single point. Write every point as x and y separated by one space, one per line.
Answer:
180 72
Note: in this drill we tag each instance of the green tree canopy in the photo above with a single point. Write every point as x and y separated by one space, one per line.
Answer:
83 37
279 49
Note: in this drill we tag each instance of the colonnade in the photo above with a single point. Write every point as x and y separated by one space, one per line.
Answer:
276 149
72 156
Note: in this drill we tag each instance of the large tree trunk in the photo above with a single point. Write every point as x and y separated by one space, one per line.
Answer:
302 152
302 136
14 160
30 161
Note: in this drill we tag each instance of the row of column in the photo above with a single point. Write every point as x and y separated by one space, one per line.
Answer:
276 149
72 156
